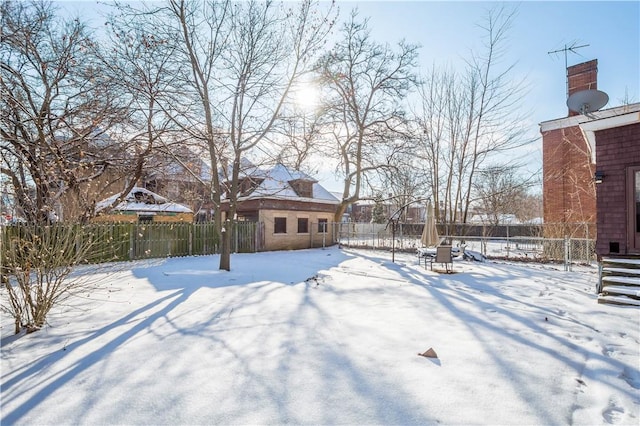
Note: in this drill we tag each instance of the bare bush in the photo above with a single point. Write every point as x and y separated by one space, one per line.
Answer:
37 262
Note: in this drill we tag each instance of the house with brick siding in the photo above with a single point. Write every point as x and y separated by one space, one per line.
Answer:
578 147
568 166
292 210
141 205
591 185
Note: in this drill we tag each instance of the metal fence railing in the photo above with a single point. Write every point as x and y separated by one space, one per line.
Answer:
536 248
131 241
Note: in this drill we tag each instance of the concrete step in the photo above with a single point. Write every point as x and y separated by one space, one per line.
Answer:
618 300
622 289
621 271
621 260
617 279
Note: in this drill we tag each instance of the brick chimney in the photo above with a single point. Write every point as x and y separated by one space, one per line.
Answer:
582 76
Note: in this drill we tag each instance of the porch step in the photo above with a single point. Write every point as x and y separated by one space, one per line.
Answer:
627 290
622 260
618 300
619 281
621 271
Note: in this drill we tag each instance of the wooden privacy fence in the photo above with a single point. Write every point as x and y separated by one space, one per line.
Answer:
131 241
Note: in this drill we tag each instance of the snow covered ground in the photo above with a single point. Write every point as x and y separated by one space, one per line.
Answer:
328 337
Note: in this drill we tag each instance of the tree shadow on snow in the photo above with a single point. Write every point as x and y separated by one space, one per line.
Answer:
463 289
181 278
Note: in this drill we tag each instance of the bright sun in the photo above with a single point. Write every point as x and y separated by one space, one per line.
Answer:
307 96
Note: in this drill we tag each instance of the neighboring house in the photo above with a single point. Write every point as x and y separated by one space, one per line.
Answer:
295 210
142 205
362 211
92 156
184 177
570 162
490 219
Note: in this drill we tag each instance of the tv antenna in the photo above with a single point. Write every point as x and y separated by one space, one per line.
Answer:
572 48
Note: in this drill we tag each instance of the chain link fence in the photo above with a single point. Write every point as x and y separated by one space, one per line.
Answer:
514 244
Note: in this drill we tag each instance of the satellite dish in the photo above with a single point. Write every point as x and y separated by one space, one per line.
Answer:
586 101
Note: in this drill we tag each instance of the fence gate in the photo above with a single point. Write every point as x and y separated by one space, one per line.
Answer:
248 237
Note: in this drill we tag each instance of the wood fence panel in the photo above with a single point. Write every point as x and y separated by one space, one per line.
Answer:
244 237
204 239
131 241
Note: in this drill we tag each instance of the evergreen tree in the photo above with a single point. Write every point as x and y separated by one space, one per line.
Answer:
377 215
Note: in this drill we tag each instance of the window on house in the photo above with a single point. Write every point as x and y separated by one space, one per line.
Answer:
145 218
280 225
322 226
302 188
303 225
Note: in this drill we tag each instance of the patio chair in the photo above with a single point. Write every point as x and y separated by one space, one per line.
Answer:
444 256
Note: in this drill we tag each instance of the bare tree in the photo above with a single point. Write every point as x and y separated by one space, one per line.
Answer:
404 180
500 190
364 84
54 110
430 135
242 61
529 209
78 122
301 135
495 127
269 53
138 65
468 119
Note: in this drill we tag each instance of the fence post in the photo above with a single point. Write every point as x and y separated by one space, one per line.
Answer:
566 253
132 230
236 231
324 235
599 283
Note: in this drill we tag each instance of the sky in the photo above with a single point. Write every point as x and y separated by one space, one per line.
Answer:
332 338
449 30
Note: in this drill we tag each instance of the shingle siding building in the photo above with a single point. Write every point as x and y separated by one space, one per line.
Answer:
617 145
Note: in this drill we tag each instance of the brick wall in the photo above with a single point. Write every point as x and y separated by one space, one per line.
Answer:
582 76
569 194
568 187
616 150
292 239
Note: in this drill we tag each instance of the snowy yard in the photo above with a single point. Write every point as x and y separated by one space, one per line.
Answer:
328 337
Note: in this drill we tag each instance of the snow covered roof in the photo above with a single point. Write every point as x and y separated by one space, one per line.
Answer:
143 200
277 183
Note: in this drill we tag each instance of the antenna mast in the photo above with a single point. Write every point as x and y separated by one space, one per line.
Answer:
566 49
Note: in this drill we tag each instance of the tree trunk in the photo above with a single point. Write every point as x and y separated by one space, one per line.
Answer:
225 251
